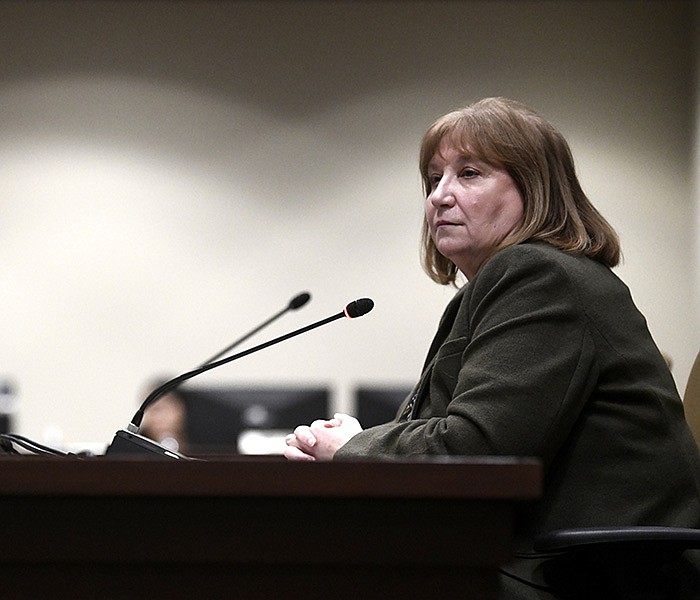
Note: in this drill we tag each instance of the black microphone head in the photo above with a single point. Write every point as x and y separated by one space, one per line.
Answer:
358 308
299 301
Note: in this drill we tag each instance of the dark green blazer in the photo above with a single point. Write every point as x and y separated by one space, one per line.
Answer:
544 354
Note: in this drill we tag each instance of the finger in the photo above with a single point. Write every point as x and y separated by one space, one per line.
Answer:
293 453
295 442
304 436
340 418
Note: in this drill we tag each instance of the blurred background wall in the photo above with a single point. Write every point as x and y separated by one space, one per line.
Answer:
172 173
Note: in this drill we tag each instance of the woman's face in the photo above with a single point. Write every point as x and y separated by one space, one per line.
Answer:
471 207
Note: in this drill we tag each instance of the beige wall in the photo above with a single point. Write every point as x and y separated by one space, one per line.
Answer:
173 173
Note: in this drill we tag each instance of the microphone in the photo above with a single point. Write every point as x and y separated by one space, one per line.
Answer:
297 302
129 441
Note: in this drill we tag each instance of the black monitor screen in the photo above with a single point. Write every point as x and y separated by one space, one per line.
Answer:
221 418
377 405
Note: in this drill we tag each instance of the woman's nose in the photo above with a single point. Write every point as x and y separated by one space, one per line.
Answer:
443 192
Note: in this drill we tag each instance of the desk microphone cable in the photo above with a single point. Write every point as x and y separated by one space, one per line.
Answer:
8 440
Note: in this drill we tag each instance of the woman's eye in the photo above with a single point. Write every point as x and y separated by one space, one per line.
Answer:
469 173
434 180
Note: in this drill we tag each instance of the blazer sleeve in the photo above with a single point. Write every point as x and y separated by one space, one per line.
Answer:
512 376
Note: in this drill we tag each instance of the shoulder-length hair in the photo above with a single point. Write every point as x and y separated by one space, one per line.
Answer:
510 135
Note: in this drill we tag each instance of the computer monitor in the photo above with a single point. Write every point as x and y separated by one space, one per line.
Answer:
375 405
235 419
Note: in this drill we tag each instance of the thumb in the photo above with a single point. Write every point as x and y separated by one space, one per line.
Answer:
340 417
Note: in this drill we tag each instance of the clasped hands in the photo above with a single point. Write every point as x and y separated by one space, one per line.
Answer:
321 439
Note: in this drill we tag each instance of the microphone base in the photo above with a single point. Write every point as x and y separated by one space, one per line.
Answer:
126 443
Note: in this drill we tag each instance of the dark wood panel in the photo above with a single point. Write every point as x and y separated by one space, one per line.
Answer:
257 528
457 478
223 582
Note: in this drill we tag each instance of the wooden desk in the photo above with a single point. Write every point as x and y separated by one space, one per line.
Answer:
257 529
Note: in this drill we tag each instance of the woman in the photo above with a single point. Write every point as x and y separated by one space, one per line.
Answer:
542 353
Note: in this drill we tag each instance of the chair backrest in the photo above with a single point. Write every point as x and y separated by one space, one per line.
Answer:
691 399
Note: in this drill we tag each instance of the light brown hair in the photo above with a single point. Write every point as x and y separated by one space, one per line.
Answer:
510 135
